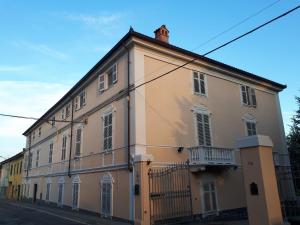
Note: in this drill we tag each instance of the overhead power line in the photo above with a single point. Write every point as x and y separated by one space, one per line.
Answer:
34 118
219 47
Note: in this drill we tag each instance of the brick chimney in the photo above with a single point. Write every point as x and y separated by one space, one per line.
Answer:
162 34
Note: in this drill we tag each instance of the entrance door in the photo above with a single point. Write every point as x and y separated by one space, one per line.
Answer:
34 192
19 191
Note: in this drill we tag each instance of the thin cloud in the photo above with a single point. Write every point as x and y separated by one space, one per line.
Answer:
43 49
7 69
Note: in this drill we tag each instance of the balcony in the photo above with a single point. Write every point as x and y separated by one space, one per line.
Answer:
211 156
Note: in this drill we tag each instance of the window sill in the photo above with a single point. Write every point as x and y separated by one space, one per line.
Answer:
199 94
77 157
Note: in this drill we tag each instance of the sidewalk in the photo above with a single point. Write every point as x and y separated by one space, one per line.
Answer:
77 217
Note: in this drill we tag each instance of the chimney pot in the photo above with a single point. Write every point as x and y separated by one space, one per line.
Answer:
162 34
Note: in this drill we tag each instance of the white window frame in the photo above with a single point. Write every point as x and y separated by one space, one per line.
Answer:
107 179
77 181
37 158
78 101
199 83
48 191
107 113
212 212
246 127
61 181
40 131
67 110
248 118
103 78
200 109
102 83
76 142
52 121
249 99
64 147
50 150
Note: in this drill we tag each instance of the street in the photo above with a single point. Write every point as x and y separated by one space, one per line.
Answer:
16 213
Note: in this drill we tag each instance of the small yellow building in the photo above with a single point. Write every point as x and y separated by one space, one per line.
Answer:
15 176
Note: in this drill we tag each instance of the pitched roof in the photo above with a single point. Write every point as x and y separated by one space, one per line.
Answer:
133 33
18 155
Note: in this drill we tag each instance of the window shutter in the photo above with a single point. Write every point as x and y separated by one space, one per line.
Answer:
63 113
207 130
244 95
196 82
202 84
101 82
200 129
203 128
77 103
78 142
253 97
114 73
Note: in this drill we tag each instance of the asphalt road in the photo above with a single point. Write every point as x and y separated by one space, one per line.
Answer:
11 214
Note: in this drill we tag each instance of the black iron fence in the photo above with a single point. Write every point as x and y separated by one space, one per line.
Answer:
170 194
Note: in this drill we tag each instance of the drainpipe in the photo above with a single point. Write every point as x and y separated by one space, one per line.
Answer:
71 136
29 147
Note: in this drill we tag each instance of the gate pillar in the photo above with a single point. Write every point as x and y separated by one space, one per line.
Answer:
260 184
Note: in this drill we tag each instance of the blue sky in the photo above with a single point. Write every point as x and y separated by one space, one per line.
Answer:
47 46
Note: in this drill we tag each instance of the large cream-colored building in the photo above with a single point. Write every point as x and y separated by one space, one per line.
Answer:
93 149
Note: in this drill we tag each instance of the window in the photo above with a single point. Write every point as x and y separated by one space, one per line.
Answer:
30 161
64 147
78 141
33 135
48 191
11 169
199 83
40 131
37 158
251 128
80 100
75 193
52 121
21 167
68 109
248 96
106 196
107 128
60 194
108 79
50 153
203 129
209 197
63 115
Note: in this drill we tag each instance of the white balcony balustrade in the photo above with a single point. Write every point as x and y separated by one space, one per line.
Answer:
211 156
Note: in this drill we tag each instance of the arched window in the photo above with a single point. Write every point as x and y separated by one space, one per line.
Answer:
106 195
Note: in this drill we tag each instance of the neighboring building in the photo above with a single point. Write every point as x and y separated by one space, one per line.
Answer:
11 177
197 112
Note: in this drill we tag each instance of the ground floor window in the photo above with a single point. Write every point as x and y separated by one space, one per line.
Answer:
75 193
60 193
48 191
106 196
209 197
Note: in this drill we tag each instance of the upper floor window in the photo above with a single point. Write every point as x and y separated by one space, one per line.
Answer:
37 158
64 147
80 100
50 153
203 129
20 170
68 109
63 113
11 169
30 160
199 83
248 96
107 79
78 142
52 121
251 128
40 131
33 135
107 131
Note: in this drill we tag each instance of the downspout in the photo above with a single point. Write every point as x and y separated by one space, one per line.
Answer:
29 147
71 137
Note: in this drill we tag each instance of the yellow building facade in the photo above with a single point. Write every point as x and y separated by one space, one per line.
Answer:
15 176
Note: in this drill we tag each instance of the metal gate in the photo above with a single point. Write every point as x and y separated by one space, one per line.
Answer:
170 194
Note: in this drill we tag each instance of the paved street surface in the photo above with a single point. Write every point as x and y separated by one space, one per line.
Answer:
15 213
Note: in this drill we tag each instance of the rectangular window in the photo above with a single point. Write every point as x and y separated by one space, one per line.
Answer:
40 131
33 135
48 191
68 109
52 121
30 160
199 83
248 96
50 153
60 193
78 141
37 158
209 197
82 97
11 169
106 196
203 129
251 128
108 79
63 115
107 128
101 83
75 195
64 147
20 168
